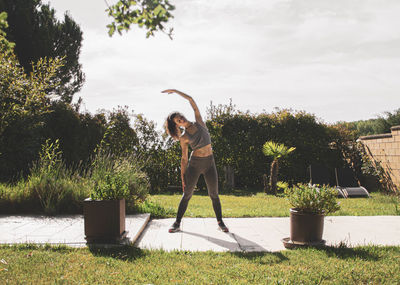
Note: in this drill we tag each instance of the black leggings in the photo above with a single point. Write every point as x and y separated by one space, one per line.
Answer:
206 166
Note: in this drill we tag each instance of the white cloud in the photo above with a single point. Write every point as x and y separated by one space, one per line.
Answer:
337 59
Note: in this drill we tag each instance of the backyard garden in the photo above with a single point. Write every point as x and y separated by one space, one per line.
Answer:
145 171
53 156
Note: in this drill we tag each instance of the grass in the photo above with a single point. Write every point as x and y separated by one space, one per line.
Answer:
28 264
262 205
21 199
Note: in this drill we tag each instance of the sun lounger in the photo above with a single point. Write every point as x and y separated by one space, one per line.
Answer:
348 184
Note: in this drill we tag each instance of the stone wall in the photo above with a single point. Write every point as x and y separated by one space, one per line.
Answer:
385 148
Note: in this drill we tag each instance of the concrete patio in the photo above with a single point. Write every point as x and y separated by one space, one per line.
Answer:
201 234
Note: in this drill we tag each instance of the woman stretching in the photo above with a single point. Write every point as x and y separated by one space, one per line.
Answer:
201 159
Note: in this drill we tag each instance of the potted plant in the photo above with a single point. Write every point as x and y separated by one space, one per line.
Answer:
117 180
104 211
309 204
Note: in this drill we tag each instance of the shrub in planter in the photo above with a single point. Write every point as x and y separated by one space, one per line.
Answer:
118 178
309 204
115 182
114 187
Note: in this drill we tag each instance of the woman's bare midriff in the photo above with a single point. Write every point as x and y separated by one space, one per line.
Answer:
203 151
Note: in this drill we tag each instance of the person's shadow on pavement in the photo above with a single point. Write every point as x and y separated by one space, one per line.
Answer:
241 243
241 247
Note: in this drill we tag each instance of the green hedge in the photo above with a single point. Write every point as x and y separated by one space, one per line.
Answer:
238 139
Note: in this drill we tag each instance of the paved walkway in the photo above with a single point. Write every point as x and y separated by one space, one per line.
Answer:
67 230
201 234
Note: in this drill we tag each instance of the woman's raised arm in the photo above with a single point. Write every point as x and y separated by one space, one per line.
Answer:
197 114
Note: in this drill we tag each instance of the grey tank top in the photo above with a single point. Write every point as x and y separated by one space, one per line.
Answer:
200 138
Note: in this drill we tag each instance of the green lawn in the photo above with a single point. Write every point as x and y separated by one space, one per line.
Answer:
262 205
46 265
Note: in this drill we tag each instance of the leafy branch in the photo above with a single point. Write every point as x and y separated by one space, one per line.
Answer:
151 15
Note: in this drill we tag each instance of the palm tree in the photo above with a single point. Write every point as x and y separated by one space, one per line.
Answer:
277 151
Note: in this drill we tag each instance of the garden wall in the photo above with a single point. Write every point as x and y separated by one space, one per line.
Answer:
385 148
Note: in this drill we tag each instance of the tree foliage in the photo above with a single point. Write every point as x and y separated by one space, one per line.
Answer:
28 117
79 133
37 33
238 138
23 95
379 125
5 45
23 104
159 154
119 138
276 150
152 15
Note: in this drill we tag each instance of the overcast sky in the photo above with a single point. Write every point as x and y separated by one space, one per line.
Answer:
339 60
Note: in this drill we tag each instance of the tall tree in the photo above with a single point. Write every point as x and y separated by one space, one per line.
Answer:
37 33
23 102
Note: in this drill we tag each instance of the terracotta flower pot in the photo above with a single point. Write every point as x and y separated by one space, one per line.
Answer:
306 227
104 220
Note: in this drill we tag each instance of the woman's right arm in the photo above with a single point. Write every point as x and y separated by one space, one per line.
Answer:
184 161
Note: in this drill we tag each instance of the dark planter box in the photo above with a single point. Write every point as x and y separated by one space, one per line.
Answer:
305 227
104 221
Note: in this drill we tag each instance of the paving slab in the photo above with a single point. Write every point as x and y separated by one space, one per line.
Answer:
203 234
365 230
67 230
156 236
135 225
42 229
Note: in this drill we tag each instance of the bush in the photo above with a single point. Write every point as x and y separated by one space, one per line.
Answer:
57 195
114 186
159 155
116 177
51 188
56 187
319 200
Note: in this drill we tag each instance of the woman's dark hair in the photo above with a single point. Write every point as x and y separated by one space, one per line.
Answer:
170 126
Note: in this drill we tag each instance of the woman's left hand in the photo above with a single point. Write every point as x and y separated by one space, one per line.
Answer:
170 91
